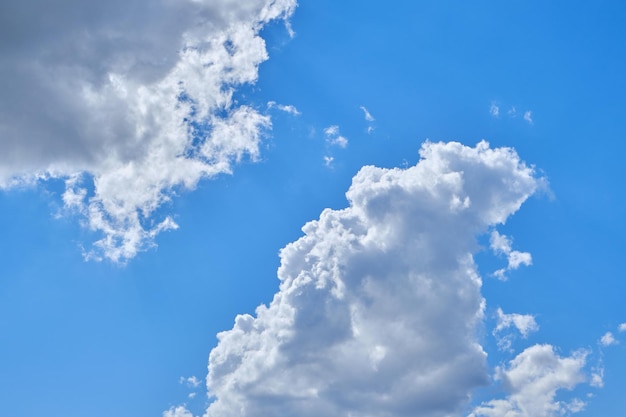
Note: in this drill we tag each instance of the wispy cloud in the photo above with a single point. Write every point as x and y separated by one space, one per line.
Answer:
512 113
528 116
494 110
282 107
524 323
501 244
333 136
368 116
191 382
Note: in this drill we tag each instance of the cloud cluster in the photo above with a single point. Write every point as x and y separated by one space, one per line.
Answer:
523 323
533 379
333 136
494 111
379 303
128 101
501 245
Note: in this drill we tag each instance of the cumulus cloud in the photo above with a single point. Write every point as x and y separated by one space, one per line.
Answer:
622 327
608 339
532 380
380 303
128 101
524 323
334 137
501 245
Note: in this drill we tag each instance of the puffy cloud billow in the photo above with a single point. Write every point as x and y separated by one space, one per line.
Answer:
533 378
380 304
128 101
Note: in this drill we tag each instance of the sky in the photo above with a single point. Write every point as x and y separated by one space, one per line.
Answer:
281 208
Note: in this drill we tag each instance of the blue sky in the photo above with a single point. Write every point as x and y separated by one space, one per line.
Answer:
152 172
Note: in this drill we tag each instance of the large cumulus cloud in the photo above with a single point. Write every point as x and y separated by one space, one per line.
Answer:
379 303
128 100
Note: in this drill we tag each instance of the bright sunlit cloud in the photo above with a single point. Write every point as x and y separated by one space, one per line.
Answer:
379 303
128 106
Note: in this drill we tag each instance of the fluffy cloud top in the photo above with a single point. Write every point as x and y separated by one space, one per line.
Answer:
533 379
379 303
128 100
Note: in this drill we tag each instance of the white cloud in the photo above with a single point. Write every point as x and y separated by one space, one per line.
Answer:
512 111
622 327
528 116
334 137
191 382
368 115
533 379
179 411
501 245
608 339
524 323
328 160
597 378
282 107
379 303
494 110
129 101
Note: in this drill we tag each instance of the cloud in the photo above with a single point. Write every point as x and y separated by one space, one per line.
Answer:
179 411
494 110
368 116
328 160
622 327
533 379
524 323
286 108
334 137
512 111
608 339
501 245
597 378
380 303
129 101
191 382
528 116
